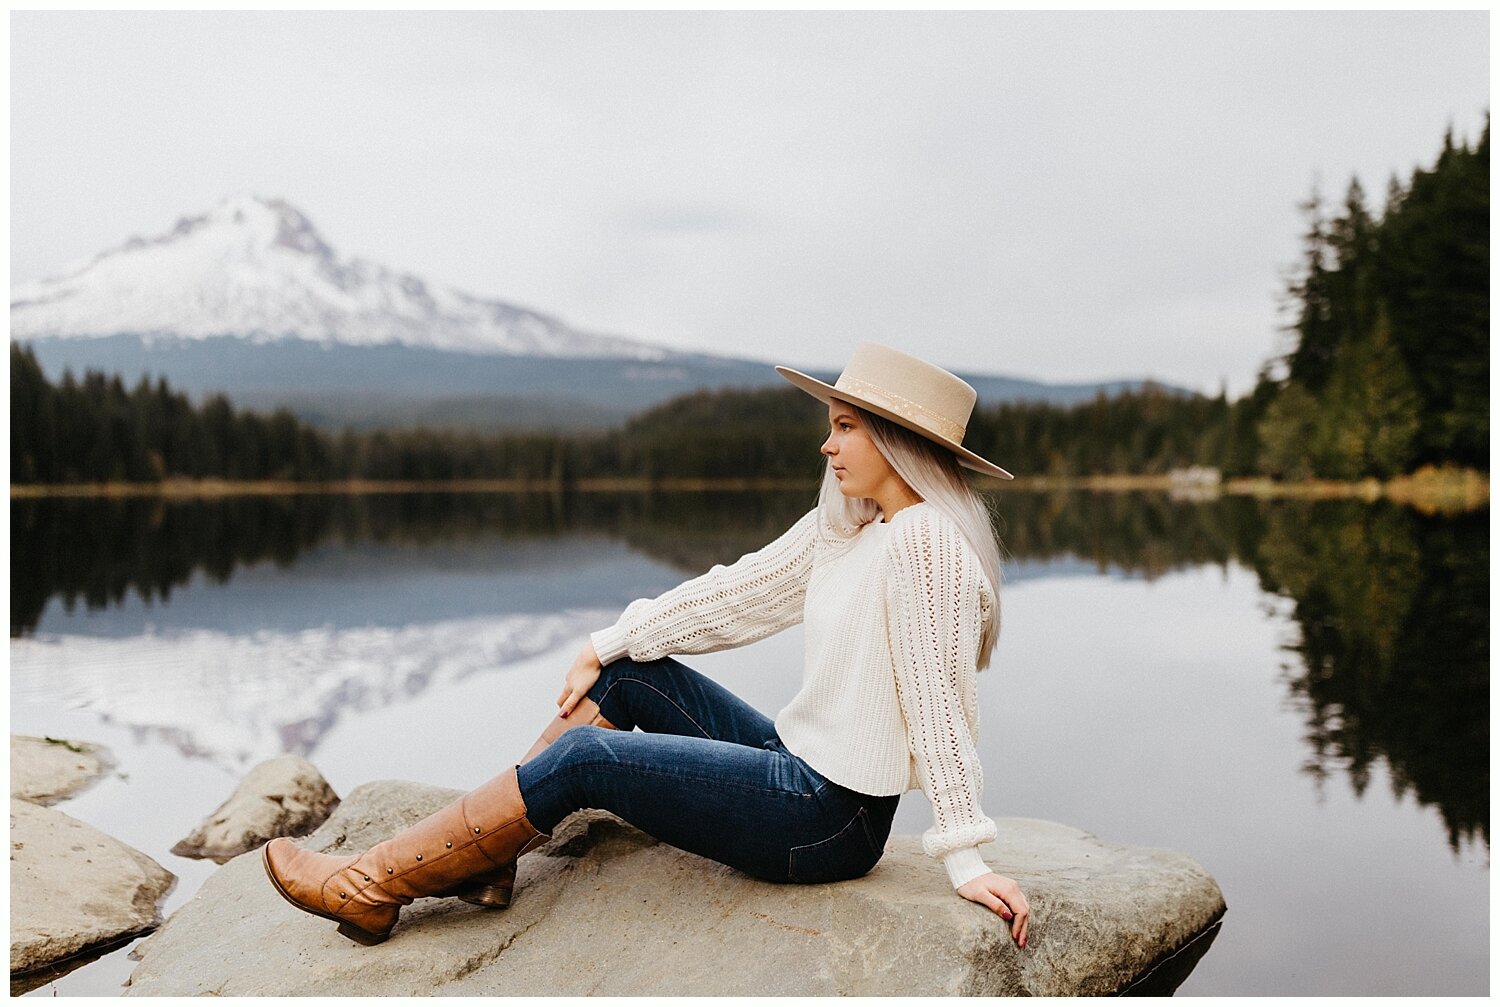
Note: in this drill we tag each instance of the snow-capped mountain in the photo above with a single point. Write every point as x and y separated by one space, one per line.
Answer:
257 268
250 301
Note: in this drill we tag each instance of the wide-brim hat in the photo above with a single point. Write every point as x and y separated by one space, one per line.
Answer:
906 390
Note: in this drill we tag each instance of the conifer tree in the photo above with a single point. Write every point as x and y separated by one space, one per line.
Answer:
1311 359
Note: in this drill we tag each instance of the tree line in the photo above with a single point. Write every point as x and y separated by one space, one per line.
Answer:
95 429
1388 369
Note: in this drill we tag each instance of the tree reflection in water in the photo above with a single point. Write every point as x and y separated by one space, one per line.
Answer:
1392 653
1393 612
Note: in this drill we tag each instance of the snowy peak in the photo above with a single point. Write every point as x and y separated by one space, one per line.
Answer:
271 222
240 220
258 269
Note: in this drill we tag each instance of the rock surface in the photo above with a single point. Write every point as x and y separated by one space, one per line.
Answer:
284 796
73 892
48 770
656 921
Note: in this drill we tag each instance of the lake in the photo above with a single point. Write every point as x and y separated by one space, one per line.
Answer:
1294 693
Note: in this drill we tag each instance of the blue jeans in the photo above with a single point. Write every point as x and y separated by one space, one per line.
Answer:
707 774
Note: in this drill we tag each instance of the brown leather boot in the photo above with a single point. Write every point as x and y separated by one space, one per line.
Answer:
364 894
496 889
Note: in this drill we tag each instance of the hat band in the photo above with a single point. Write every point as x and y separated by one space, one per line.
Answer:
906 408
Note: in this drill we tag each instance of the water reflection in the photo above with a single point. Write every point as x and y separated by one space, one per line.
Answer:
1390 661
99 552
1146 534
1393 653
234 699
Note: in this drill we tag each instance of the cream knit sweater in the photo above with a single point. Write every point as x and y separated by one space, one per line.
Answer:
892 616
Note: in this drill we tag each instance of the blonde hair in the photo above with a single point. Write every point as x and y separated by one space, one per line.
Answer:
934 474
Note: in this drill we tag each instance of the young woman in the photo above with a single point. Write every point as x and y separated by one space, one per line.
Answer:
893 575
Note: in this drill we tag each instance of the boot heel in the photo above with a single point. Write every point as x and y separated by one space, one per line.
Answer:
361 936
489 896
493 890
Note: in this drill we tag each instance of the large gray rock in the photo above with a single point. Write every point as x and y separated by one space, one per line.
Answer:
47 770
284 796
605 909
74 893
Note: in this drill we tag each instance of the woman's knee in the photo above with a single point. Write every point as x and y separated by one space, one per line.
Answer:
582 744
613 702
565 775
623 669
624 680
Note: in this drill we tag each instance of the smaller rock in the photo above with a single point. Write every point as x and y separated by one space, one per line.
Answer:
48 770
74 893
284 796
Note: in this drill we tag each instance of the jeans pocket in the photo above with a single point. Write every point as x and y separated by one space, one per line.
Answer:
848 853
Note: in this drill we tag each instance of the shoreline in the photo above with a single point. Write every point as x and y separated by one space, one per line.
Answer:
1427 490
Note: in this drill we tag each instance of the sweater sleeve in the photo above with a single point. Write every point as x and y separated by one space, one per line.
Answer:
934 606
759 594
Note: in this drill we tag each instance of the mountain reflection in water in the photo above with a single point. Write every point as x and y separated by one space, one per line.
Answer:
1390 661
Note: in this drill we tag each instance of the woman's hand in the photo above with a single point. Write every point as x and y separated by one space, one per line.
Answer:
1004 896
580 678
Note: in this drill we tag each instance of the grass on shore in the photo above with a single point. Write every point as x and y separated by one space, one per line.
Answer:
1444 490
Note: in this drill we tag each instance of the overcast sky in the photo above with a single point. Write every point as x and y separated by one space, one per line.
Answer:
1063 196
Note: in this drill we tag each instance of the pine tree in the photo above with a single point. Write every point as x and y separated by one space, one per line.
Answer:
1353 243
1311 360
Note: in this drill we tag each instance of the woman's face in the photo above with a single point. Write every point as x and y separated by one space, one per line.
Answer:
860 468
